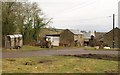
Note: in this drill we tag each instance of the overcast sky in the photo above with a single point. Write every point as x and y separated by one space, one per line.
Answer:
80 14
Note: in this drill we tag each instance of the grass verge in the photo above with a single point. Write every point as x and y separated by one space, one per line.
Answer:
58 64
93 48
27 48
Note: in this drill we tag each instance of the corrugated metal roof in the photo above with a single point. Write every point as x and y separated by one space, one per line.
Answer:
87 35
75 31
11 36
15 36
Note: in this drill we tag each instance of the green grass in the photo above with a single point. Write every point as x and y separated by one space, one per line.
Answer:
89 48
58 64
36 48
24 48
0 66
29 48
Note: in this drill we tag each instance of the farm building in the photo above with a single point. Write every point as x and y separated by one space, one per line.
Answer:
108 38
48 31
71 38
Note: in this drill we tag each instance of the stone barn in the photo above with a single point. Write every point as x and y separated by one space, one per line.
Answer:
71 37
108 38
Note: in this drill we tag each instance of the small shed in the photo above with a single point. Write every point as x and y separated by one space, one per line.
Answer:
13 41
54 38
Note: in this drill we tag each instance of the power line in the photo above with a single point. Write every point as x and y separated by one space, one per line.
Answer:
88 19
74 6
84 4
68 11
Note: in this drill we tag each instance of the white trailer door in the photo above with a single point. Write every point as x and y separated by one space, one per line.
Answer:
55 41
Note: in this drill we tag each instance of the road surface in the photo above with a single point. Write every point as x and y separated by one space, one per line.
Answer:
55 52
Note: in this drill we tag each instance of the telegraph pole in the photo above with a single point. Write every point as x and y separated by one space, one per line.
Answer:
113 29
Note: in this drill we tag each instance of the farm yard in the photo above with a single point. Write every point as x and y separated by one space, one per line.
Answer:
38 39
58 64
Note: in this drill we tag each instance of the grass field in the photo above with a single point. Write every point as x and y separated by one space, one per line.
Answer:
28 48
58 64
